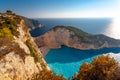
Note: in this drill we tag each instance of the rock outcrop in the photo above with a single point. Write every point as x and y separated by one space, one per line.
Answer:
75 38
20 58
32 23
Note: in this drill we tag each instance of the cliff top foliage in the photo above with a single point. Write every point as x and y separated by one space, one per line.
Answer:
85 37
77 31
46 75
101 68
8 24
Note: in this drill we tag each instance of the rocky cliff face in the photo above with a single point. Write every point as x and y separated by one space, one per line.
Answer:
20 58
75 38
32 24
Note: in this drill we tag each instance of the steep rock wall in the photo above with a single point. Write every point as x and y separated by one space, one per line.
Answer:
75 38
20 57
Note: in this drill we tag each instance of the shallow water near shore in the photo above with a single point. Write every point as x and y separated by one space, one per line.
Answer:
66 61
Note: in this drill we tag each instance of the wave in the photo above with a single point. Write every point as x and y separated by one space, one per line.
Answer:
116 56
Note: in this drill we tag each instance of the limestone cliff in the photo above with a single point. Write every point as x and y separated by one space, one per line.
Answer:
20 58
75 38
32 23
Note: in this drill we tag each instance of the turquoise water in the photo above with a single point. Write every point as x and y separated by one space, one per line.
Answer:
66 61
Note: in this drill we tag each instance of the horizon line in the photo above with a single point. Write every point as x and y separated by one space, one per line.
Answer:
65 17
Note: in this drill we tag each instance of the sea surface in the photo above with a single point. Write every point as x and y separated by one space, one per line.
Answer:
67 61
90 25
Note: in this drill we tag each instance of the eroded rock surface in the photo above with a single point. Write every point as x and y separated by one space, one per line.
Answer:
20 57
75 38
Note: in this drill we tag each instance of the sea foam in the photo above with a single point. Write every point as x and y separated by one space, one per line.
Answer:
116 56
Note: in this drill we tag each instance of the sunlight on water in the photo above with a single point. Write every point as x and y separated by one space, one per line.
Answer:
114 29
115 56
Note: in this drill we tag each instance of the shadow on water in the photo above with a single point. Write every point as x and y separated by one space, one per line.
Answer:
37 32
69 55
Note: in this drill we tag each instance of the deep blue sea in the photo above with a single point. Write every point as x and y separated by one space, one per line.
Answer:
66 61
90 25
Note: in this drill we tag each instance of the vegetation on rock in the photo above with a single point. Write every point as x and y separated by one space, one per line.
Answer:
8 25
101 68
77 31
20 58
9 11
5 32
46 75
74 38
33 51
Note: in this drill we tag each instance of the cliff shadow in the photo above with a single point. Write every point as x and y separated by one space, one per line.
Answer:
37 31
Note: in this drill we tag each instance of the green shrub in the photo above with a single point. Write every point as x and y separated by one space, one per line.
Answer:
5 32
33 51
77 31
9 12
11 24
35 54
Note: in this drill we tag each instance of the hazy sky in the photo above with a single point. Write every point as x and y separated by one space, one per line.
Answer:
62 8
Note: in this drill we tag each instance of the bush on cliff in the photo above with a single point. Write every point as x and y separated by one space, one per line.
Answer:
5 32
9 12
46 75
101 68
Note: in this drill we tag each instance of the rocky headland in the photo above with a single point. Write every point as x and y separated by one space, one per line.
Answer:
75 38
20 58
32 23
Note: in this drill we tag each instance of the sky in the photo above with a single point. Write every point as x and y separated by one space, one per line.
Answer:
62 8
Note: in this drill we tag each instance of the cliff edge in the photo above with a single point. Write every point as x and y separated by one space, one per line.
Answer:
20 58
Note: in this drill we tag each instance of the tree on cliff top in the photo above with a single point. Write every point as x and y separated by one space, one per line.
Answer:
9 12
101 68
